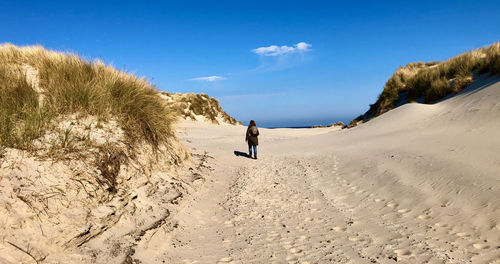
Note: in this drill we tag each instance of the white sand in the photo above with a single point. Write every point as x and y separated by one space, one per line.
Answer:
419 184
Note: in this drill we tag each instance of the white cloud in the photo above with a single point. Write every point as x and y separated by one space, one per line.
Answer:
274 50
208 79
302 46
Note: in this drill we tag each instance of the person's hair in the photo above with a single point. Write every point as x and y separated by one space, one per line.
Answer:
252 123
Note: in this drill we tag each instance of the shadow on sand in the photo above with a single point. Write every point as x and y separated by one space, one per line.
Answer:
241 154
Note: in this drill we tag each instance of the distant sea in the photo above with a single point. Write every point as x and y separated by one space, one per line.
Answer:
300 123
292 127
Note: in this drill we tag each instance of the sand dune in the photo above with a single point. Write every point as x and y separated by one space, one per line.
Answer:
419 184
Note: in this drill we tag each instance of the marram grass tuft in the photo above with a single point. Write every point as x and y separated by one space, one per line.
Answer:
37 85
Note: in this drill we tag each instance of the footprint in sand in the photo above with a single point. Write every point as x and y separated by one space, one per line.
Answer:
392 205
462 234
441 225
356 239
404 211
272 236
302 238
378 200
339 229
287 244
291 258
424 217
480 246
295 250
308 219
402 252
225 260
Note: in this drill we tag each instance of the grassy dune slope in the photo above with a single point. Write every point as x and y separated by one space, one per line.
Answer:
432 81
190 105
89 163
37 85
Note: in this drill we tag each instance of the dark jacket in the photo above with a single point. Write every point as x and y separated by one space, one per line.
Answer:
251 138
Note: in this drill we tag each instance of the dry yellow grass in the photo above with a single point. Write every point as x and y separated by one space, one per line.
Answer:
65 84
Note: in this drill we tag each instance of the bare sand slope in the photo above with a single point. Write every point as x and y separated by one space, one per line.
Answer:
420 184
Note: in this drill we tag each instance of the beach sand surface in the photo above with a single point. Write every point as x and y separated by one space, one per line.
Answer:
419 184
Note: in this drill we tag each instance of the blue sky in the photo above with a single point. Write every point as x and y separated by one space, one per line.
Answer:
348 48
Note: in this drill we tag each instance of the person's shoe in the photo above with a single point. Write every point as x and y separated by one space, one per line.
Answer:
255 157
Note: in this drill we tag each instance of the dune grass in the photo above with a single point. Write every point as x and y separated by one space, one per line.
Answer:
190 104
20 116
434 80
69 84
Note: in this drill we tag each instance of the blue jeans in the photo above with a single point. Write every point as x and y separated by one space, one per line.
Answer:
254 150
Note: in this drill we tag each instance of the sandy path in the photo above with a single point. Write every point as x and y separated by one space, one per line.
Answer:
419 184
289 210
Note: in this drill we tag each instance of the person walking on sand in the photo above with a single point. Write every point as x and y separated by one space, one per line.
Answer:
252 139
